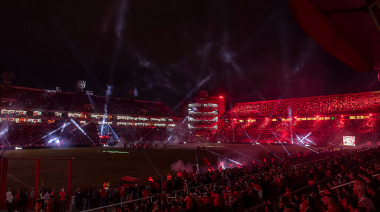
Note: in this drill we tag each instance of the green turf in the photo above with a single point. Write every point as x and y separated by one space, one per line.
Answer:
92 166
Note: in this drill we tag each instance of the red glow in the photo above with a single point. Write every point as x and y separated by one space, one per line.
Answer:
341 115
317 116
370 114
220 97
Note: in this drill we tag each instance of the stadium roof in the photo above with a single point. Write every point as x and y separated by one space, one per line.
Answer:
347 29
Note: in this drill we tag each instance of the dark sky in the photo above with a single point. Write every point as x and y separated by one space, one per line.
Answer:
169 50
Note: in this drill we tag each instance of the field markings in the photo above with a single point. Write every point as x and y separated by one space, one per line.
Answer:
21 181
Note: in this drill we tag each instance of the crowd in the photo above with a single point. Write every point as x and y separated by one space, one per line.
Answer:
63 101
322 131
336 104
233 188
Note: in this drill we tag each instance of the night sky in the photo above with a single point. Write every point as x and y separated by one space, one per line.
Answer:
169 50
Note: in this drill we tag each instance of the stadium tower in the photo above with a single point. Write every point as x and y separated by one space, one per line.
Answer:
204 116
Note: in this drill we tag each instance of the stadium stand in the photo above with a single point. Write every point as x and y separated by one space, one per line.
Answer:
326 118
326 173
29 116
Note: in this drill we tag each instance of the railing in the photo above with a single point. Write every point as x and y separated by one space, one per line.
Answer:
119 204
209 184
349 183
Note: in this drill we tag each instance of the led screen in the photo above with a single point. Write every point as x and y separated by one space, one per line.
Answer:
348 140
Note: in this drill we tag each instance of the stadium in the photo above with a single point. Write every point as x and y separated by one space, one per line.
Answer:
53 127
178 111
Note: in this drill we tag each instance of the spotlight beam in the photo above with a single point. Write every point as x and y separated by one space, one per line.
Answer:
302 146
7 140
151 163
259 143
223 157
334 144
244 154
72 120
48 134
280 142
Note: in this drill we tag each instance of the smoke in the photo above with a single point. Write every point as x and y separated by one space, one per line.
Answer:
180 165
144 62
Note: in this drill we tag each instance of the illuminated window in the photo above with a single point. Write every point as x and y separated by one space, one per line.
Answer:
75 115
360 117
327 118
37 113
352 117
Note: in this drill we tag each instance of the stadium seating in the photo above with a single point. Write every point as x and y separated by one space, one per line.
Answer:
326 118
63 101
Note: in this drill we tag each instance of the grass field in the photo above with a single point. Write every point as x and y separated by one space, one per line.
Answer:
92 166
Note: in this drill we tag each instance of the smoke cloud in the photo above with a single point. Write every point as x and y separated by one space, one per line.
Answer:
180 165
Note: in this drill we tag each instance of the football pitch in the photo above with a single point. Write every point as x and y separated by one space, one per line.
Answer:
92 166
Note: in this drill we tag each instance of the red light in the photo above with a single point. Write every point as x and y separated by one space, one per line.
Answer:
317 116
370 114
341 115
295 116
220 97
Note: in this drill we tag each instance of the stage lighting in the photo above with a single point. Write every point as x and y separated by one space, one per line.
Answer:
57 141
221 97
184 142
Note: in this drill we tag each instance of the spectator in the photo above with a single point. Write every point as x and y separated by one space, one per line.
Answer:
333 204
84 199
78 199
9 199
350 203
360 189
62 204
